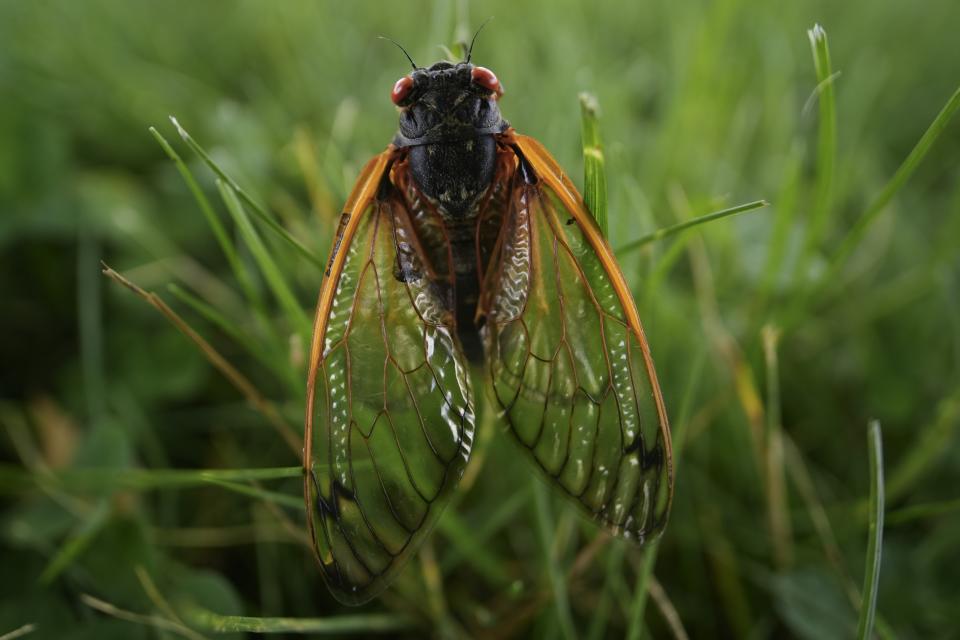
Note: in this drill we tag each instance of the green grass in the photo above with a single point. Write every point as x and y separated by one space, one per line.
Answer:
594 162
871 578
149 457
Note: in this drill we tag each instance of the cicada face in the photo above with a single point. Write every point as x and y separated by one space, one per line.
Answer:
447 102
464 242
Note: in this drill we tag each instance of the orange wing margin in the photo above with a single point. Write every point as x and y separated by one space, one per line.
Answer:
547 169
364 190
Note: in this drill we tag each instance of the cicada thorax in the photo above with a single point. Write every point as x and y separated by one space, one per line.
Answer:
455 173
453 245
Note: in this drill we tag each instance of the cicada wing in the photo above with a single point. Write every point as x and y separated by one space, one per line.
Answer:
570 367
390 415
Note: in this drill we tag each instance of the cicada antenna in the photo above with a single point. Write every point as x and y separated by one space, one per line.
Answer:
470 50
412 63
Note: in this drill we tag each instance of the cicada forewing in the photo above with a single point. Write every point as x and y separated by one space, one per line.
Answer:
390 416
569 364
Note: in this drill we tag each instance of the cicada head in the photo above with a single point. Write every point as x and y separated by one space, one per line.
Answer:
447 102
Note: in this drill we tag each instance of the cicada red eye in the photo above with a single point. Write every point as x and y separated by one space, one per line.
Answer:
401 89
487 79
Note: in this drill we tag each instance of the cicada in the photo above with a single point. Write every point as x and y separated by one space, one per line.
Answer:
465 248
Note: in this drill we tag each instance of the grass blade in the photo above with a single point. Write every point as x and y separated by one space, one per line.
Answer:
778 508
280 366
155 621
826 147
14 479
240 271
19 632
213 315
240 381
333 625
659 234
88 529
639 604
219 231
271 272
594 169
258 210
871 578
900 177
667 609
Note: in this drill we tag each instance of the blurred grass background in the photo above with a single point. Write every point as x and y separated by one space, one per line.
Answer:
777 334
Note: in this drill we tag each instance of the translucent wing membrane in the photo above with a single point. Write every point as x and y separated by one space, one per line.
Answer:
568 360
390 414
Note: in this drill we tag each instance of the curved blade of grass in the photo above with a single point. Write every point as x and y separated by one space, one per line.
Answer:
219 231
213 315
77 542
259 211
240 271
594 170
279 366
271 272
871 578
155 621
19 632
826 147
153 593
795 315
333 625
250 392
693 222
667 609
900 177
